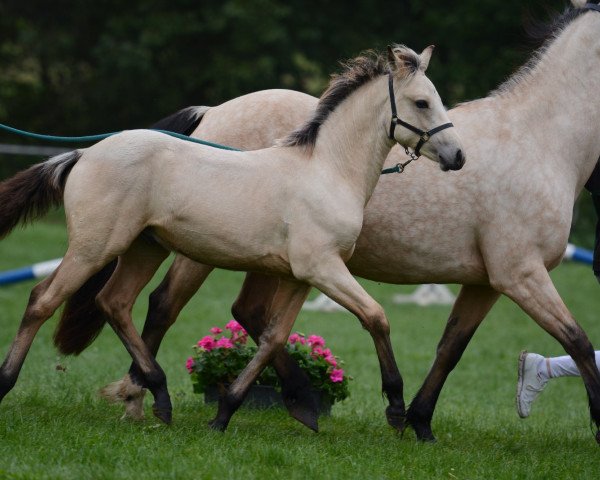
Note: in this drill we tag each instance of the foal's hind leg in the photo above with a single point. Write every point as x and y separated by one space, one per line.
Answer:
252 309
534 292
182 281
45 298
134 270
288 300
471 307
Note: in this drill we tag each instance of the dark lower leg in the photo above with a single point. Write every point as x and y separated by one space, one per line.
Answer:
135 268
252 309
392 385
289 297
182 281
45 298
335 281
536 295
581 350
470 308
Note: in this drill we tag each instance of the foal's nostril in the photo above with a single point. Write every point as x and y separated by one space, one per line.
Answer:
459 160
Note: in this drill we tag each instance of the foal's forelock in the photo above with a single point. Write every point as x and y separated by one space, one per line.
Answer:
356 73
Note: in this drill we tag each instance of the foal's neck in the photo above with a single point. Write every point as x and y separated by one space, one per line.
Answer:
353 141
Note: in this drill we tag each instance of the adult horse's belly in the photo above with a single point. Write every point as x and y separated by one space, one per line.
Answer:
414 233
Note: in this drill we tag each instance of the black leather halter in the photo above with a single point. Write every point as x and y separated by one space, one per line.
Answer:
424 136
591 6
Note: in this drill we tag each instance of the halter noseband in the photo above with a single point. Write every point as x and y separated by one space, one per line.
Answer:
591 6
424 136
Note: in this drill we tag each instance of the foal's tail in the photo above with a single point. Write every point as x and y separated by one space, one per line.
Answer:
81 320
31 193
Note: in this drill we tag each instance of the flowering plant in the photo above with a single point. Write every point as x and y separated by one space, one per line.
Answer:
220 357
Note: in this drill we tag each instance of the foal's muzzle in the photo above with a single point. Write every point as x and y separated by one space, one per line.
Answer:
455 163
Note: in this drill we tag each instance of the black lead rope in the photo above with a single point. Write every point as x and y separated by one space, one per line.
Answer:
424 136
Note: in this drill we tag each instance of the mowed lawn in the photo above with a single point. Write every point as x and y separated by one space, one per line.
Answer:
54 425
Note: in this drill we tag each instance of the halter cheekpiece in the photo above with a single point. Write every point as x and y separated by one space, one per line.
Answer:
424 136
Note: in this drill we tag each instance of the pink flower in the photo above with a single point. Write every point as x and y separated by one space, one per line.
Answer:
207 343
234 326
316 341
330 359
216 330
317 351
189 364
224 343
336 375
297 338
240 337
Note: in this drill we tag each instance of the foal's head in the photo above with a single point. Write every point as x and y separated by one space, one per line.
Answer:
419 105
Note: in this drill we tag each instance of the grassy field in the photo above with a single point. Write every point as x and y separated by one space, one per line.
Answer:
53 424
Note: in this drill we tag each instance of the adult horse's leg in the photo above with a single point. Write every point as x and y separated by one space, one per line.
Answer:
182 281
134 270
251 309
535 293
286 303
471 307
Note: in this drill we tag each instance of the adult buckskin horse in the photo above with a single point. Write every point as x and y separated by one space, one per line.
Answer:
504 220
139 194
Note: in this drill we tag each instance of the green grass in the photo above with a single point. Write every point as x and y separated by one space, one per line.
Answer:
53 424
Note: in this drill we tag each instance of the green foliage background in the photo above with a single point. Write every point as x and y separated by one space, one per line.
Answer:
78 67
75 68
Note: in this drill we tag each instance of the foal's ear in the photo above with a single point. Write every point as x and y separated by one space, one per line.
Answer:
402 60
425 57
579 3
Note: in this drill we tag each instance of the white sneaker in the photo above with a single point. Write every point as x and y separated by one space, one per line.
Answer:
530 382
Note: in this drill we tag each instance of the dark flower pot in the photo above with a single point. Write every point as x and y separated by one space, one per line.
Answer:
265 396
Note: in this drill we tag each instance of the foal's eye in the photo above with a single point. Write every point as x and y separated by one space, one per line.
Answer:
422 104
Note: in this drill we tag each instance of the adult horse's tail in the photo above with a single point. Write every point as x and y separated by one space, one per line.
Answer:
31 193
81 320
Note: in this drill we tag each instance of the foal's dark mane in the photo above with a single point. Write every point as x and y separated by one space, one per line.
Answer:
356 72
544 33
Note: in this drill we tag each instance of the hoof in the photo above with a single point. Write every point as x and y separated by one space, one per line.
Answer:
306 417
428 438
164 415
396 418
304 409
218 425
598 437
423 433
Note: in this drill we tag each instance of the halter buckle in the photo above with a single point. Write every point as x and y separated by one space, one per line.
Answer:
425 137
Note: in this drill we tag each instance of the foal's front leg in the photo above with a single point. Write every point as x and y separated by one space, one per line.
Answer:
287 302
334 280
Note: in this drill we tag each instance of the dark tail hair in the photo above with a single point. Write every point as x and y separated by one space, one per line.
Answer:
31 193
185 121
81 320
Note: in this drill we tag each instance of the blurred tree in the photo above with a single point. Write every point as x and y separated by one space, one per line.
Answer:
87 66
84 67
